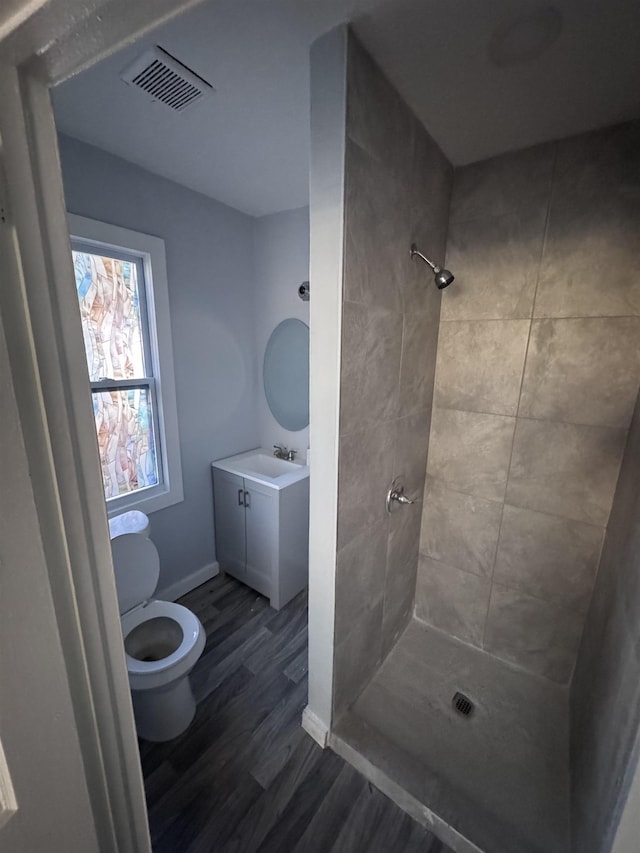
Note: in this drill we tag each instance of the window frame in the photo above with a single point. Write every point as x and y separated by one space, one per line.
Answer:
150 252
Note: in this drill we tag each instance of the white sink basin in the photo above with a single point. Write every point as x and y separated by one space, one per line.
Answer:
270 466
261 466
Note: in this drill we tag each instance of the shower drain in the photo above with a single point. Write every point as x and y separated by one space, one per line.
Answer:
462 704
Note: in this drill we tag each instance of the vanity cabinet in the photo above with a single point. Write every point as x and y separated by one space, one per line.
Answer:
262 532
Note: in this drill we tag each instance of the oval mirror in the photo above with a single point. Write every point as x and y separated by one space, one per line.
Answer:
286 374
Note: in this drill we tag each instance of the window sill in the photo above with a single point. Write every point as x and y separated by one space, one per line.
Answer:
147 501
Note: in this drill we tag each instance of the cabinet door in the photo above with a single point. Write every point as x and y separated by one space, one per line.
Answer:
261 537
228 500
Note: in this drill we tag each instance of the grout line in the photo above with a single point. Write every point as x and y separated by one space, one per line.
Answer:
483 216
509 664
522 376
542 317
591 597
511 587
529 417
486 616
450 488
546 229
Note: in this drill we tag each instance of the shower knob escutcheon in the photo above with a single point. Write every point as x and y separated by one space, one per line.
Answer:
396 496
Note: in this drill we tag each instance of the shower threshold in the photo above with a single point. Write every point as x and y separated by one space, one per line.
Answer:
494 781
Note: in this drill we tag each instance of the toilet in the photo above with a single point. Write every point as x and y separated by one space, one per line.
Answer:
162 640
132 521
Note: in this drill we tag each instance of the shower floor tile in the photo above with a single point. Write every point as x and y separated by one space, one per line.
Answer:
499 777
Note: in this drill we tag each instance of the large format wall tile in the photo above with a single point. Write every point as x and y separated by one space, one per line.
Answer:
365 472
469 452
583 371
452 600
397 189
360 576
550 557
597 166
480 364
412 444
503 184
371 351
377 118
399 596
495 261
404 538
591 263
419 348
459 529
358 655
533 634
375 256
565 469
545 238
605 692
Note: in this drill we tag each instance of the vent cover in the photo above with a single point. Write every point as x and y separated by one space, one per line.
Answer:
462 704
164 79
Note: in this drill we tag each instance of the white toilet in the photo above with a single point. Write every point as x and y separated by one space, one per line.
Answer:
162 640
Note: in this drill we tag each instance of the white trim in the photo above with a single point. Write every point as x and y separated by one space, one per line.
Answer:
184 585
152 252
8 802
48 366
315 727
407 802
56 39
326 209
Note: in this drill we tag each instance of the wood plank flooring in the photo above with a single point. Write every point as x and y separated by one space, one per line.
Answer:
245 777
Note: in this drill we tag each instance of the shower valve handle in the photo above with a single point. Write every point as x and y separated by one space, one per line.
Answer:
396 496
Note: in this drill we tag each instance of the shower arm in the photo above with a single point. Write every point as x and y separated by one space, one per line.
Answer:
413 251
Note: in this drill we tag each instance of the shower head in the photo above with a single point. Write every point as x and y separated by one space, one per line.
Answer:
443 278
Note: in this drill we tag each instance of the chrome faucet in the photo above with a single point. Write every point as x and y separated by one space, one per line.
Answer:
282 453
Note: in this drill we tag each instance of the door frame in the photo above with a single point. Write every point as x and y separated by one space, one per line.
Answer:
42 42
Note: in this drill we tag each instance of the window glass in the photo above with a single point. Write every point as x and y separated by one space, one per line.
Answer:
121 282
124 424
111 312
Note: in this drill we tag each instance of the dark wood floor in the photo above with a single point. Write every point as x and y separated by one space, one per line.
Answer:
245 777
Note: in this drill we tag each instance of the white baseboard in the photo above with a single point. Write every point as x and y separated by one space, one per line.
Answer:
185 585
314 726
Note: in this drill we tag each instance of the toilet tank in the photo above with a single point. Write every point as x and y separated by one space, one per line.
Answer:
132 521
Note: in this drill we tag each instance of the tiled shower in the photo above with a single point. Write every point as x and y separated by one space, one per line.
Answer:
505 405
537 375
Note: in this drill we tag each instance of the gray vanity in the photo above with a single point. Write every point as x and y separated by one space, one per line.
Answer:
261 507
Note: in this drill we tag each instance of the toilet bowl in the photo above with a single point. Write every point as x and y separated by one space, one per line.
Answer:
162 641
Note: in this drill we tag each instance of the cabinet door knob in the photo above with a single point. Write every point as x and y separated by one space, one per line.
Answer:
247 500
240 501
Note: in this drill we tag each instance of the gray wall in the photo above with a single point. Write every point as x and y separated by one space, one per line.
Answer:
605 693
397 190
210 270
537 374
281 263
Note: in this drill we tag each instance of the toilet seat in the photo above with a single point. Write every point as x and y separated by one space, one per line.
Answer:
146 675
137 567
166 637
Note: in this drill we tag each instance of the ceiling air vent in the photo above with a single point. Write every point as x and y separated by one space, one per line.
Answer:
164 79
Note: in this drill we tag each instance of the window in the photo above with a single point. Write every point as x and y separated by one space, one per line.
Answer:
121 282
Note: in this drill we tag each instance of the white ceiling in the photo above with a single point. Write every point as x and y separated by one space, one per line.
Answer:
247 146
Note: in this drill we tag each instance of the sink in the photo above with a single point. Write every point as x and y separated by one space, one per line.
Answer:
263 467
269 466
